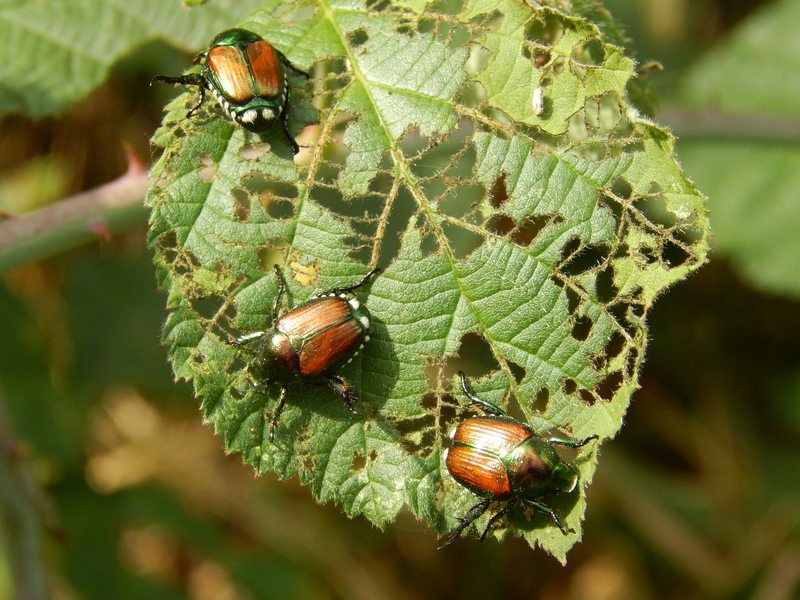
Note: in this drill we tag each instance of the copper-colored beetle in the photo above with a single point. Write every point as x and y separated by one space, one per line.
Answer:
247 76
309 342
502 459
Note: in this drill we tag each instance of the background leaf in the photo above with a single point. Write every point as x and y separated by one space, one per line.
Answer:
54 53
537 240
754 182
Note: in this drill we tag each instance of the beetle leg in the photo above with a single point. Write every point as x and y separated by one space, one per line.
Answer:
285 125
244 341
190 79
279 296
276 415
361 282
571 443
472 514
341 387
541 507
487 407
199 102
496 517
286 63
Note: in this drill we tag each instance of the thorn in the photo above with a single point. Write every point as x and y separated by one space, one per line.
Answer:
100 229
136 165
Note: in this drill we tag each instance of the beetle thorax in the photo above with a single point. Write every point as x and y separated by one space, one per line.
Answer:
528 469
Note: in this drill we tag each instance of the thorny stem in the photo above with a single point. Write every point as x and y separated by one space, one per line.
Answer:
74 221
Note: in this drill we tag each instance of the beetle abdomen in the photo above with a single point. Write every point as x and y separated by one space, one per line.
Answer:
324 332
481 471
480 448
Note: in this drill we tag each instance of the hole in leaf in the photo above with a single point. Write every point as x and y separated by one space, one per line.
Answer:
573 300
587 258
609 385
207 306
475 356
499 192
359 462
620 311
532 226
280 209
650 256
207 170
621 188
517 371
459 200
544 28
590 53
655 210
417 434
357 37
674 255
570 247
539 402
254 151
614 205
462 242
271 254
588 396
616 342
500 224
241 204
604 285
399 217
570 387
541 57
581 328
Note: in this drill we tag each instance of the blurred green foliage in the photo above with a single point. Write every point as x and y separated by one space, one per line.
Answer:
697 497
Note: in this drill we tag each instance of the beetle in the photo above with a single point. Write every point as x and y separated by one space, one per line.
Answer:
501 459
309 342
247 77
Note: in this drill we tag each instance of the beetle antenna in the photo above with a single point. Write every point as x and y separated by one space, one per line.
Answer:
372 273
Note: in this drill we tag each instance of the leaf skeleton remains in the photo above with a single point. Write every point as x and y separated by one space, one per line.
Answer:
497 457
309 342
247 77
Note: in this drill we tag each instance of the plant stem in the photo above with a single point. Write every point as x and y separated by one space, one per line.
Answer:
706 124
82 218
22 510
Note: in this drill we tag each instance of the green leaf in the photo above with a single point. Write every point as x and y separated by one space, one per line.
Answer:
545 237
54 54
753 174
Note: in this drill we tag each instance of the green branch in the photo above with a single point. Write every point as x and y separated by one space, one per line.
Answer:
715 124
77 220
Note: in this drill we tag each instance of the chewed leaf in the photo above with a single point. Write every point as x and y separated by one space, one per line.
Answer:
539 235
